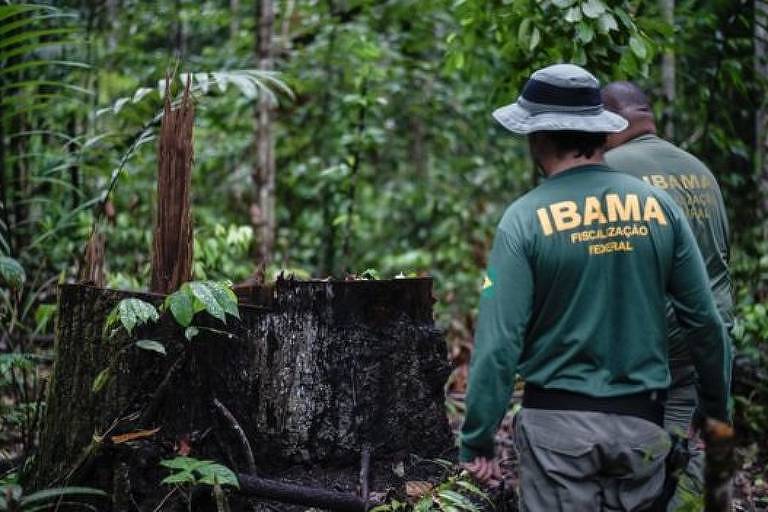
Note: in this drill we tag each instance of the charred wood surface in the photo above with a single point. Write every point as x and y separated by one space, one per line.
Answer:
310 377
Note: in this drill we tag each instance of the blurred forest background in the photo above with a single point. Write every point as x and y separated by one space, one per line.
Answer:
338 137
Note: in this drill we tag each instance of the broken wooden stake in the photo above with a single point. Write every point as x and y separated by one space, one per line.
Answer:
173 242
92 266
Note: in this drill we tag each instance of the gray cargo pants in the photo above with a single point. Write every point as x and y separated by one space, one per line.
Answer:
682 399
578 461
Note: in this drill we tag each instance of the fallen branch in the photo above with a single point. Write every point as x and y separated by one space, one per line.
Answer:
274 490
240 434
365 466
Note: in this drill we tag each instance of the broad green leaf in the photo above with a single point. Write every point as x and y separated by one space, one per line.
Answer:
182 477
593 8
573 15
607 23
180 304
563 3
626 20
225 297
535 39
43 315
11 10
191 332
154 346
119 104
473 489
101 380
202 292
222 474
638 47
34 34
585 32
47 494
523 32
459 501
185 463
133 312
140 93
469 486
112 319
11 273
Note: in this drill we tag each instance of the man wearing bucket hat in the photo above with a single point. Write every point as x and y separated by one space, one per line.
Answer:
574 300
639 152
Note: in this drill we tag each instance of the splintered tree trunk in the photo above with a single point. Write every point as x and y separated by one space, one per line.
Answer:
173 242
263 208
301 386
92 265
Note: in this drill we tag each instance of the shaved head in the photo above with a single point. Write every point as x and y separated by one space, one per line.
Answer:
620 95
630 102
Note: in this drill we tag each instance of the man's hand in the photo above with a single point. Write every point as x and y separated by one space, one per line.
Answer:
484 470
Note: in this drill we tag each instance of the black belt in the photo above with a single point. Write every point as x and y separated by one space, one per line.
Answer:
648 405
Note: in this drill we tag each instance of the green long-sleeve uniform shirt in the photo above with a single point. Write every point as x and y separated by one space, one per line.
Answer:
693 187
575 298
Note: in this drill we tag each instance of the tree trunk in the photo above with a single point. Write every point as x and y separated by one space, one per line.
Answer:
761 116
668 73
5 232
311 376
263 208
234 19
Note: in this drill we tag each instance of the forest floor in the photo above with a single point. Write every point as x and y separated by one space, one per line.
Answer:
750 481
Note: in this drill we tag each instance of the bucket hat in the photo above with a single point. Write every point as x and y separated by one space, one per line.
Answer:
560 97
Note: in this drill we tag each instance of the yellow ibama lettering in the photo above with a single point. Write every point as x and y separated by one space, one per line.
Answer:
659 181
546 226
565 214
593 211
689 181
618 210
673 181
653 211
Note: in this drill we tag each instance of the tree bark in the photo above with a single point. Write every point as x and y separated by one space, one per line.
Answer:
6 232
314 374
668 73
263 208
761 116
234 19
173 238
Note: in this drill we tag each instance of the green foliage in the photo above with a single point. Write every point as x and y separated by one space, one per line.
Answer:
131 313
215 298
151 345
251 83
11 273
223 252
387 156
612 38
101 380
457 493
190 472
13 499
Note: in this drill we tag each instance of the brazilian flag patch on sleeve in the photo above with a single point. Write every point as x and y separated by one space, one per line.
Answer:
486 289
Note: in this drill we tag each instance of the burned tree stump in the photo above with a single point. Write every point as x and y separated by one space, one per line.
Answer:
310 376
